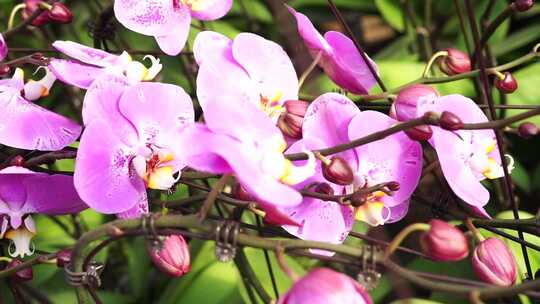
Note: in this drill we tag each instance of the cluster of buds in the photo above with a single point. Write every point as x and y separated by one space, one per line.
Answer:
291 120
56 12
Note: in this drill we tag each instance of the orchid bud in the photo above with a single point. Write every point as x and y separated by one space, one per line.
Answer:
523 5
393 186
456 62
338 171
60 13
324 188
444 242
3 48
450 121
22 275
324 285
527 130
290 122
4 69
494 263
241 193
17 161
63 257
420 133
170 255
411 99
358 198
31 7
506 83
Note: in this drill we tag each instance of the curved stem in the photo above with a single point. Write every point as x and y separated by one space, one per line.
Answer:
13 13
431 61
400 237
309 70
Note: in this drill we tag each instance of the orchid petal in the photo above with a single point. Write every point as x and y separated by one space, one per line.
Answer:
210 45
393 158
103 176
3 48
28 126
173 42
74 73
148 18
84 53
52 194
209 9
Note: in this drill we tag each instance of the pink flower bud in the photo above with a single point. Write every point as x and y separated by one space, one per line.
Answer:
290 122
450 121
338 171
527 130
444 242
31 7
420 133
22 275
324 285
456 62
410 100
63 258
508 84
393 186
171 255
523 5
494 263
3 48
4 69
17 161
324 188
60 13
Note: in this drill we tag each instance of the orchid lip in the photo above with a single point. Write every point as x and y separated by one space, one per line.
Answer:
154 169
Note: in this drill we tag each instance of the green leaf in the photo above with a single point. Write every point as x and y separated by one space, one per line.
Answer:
392 12
516 40
414 301
138 264
521 177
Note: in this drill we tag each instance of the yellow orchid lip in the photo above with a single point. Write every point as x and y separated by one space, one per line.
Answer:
154 171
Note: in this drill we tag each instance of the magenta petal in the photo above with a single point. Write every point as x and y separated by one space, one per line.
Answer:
451 152
397 212
3 48
74 73
84 53
210 9
213 46
347 68
12 191
173 42
394 158
148 17
321 221
267 65
236 89
312 38
25 125
136 211
103 175
52 194
219 153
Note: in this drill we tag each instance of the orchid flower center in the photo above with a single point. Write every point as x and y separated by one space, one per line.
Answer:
21 238
195 5
275 164
136 71
482 163
271 106
373 211
153 166
35 89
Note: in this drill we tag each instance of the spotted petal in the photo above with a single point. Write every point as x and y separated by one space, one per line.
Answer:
84 53
150 18
74 73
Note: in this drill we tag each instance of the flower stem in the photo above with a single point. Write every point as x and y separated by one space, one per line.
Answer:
472 228
400 237
431 61
309 70
13 13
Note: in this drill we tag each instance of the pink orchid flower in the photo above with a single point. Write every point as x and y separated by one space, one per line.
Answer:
168 21
337 55
246 70
24 192
130 144
25 125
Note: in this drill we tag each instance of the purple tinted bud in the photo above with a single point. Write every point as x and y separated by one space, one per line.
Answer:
494 263
527 130
393 186
410 99
358 198
60 13
3 48
523 5
508 84
63 258
324 285
444 242
31 7
290 122
324 188
171 255
420 133
450 121
4 69
456 62
17 161
338 171
22 275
